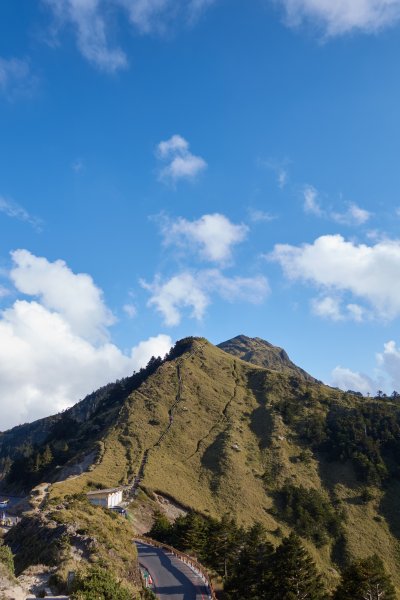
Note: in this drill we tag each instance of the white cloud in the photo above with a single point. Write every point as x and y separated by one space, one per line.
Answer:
370 273
343 16
333 308
311 204
345 379
188 290
389 363
327 307
386 373
245 289
260 216
356 312
4 291
182 164
74 296
280 170
15 77
46 360
88 20
150 15
15 211
212 235
181 291
130 310
353 216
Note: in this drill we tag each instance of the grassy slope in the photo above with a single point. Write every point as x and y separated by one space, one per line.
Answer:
224 437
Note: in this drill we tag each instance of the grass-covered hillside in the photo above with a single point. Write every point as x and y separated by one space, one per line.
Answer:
222 435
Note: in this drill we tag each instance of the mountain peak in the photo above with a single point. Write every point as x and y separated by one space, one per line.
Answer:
263 354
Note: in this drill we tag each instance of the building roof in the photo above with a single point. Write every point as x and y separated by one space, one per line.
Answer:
108 491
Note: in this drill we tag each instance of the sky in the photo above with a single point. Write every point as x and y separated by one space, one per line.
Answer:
196 167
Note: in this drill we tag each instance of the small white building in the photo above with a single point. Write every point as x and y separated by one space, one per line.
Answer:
106 498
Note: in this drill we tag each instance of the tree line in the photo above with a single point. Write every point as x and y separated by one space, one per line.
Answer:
252 569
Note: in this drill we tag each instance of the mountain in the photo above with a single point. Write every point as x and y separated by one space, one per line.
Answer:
262 353
217 433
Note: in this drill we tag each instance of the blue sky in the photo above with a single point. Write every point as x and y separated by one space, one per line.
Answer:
197 167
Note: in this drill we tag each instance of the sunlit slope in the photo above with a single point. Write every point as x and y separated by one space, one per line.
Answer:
222 436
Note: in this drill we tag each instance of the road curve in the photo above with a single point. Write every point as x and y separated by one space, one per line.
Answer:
173 579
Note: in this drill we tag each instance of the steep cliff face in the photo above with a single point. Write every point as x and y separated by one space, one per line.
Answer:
223 435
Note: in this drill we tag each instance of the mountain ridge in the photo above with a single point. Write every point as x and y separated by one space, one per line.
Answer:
226 435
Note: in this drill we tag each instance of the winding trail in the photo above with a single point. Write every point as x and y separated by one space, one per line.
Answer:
223 417
171 411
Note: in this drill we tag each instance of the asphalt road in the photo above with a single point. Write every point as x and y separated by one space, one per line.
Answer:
173 580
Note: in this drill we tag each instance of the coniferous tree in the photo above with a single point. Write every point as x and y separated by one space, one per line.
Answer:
224 542
365 580
251 577
161 529
295 576
190 534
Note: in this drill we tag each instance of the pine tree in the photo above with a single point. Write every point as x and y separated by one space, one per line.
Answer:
190 532
365 580
162 529
224 542
295 576
252 572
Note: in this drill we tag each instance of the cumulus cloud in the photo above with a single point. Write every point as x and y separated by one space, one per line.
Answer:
346 379
15 211
181 291
73 296
327 307
370 273
343 16
213 236
386 373
194 291
47 360
180 162
333 308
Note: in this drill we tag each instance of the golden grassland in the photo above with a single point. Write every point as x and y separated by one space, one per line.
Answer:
225 437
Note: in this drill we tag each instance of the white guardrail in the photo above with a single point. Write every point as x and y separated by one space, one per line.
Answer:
191 562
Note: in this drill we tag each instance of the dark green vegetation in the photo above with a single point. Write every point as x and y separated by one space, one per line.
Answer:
99 584
365 579
309 513
6 557
253 569
264 442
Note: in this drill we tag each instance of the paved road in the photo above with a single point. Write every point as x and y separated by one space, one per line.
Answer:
173 580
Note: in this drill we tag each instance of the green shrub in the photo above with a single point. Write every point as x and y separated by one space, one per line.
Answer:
6 557
99 584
